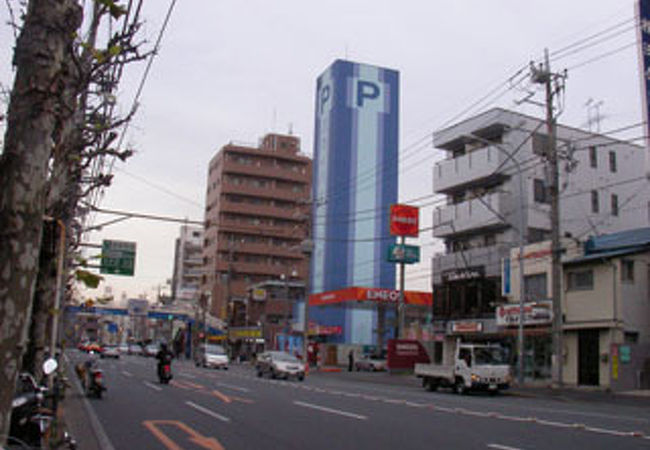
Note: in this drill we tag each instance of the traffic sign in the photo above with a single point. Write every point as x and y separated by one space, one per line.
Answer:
118 258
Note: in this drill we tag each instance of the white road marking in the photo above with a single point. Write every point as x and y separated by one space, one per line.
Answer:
127 374
331 410
502 447
233 387
207 411
152 386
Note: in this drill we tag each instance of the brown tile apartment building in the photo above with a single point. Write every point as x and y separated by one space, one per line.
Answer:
256 217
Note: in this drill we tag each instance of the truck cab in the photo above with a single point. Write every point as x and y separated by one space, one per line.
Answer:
475 367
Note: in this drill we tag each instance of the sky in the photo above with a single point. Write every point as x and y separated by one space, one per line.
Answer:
236 70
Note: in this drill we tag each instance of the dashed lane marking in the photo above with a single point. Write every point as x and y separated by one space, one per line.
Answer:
207 411
503 447
127 374
331 410
152 386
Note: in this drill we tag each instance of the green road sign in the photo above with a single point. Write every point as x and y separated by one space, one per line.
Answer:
408 254
118 258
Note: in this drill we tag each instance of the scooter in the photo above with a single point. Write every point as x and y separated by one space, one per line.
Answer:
165 373
96 385
30 419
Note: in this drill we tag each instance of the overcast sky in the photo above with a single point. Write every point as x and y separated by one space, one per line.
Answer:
235 70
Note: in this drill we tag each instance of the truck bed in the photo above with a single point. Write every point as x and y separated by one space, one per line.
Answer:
434 370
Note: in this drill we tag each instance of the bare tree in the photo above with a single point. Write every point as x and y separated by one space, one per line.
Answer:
44 44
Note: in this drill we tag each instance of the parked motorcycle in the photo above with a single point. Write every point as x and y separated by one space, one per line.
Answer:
30 419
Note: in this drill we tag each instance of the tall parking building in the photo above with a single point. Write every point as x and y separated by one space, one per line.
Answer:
257 203
355 182
602 190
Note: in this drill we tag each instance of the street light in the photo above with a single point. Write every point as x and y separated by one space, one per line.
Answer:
520 329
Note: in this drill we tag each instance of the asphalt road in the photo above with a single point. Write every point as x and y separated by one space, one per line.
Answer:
235 409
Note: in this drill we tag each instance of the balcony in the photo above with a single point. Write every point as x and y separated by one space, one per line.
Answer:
472 215
265 192
233 226
472 169
487 257
267 171
259 210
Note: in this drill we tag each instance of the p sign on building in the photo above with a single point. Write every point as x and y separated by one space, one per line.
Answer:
355 174
354 181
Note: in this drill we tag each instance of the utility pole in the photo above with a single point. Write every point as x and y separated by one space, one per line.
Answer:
553 84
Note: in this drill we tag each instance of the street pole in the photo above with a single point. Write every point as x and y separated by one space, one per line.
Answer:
58 294
307 246
400 307
545 77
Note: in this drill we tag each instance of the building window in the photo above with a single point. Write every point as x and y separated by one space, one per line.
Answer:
627 270
593 156
614 205
540 144
535 287
537 235
612 161
594 202
540 193
580 280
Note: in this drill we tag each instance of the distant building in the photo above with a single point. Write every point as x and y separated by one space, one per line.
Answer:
355 182
256 214
603 189
188 261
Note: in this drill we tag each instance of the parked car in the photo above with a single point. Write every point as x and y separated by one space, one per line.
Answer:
370 363
135 349
109 351
151 350
123 348
279 364
211 355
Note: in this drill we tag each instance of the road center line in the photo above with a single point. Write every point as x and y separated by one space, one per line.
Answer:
152 386
207 411
127 374
502 447
331 410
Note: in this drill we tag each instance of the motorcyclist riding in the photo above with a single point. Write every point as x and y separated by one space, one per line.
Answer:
164 357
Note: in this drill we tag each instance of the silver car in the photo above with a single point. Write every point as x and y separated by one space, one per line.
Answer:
212 355
279 364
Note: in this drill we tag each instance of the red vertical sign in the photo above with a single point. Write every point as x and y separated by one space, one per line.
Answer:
404 220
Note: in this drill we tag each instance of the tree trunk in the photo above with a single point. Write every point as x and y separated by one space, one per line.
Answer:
44 43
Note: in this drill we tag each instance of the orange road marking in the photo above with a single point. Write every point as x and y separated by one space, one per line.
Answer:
209 443
222 397
186 385
243 400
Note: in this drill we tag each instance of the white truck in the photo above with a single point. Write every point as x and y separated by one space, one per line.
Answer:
475 367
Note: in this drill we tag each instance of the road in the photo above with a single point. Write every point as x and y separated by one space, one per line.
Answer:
235 409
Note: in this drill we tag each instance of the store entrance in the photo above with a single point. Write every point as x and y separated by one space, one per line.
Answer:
588 358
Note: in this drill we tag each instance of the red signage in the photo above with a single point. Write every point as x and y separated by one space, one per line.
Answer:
361 294
405 353
404 220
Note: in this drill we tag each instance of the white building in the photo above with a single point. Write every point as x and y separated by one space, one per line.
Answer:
187 264
603 189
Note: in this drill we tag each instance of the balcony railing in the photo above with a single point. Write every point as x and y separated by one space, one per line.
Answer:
487 257
475 167
474 214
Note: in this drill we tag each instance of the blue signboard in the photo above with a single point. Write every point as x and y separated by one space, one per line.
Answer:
505 277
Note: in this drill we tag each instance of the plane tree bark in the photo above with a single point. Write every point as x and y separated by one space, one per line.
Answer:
44 43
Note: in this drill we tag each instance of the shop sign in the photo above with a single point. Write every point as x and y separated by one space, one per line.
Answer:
259 294
466 327
316 329
535 313
615 362
470 273
243 333
407 254
625 353
404 220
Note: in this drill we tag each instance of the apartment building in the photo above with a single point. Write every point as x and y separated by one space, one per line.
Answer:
257 206
488 209
188 261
